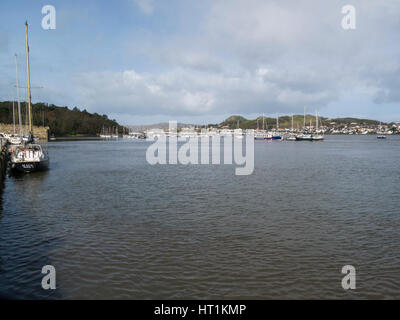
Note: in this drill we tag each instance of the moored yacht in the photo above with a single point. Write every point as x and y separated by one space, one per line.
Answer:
28 156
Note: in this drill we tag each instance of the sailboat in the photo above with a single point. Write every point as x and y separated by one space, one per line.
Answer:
277 136
104 135
292 136
316 136
310 136
262 134
238 133
381 134
115 136
28 156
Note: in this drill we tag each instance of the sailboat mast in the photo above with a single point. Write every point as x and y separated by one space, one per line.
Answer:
263 121
19 102
277 122
14 112
29 80
292 122
316 120
304 117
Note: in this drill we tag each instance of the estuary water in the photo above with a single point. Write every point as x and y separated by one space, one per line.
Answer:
115 227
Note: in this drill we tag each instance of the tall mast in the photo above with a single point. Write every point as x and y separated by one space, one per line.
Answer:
277 122
19 103
29 79
14 111
263 121
292 122
316 120
304 116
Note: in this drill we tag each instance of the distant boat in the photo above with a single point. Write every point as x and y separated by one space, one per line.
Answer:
115 136
276 135
259 136
262 135
304 137
381 134
238 133
291 138
103 134
309 137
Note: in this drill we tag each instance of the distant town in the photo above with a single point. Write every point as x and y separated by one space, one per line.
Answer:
285 124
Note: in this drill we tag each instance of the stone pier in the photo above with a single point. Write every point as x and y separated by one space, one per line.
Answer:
40 132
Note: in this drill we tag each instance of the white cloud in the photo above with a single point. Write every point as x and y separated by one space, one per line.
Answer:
258 56
183 92
146 6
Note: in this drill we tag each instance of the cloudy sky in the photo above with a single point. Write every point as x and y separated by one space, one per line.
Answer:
146 61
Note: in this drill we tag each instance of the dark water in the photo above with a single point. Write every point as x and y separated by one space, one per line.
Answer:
115 227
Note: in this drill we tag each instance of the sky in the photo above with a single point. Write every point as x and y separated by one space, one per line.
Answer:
149 61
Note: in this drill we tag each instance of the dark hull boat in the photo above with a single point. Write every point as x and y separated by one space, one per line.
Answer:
27 167
309 137
28 158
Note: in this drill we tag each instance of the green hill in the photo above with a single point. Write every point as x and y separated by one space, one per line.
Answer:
286 122
269 123
62 121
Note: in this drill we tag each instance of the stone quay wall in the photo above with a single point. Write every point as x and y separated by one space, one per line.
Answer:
40 132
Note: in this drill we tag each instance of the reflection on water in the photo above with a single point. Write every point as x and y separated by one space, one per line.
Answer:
116 227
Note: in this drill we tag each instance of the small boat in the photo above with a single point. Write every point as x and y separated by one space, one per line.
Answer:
381 136
291 138
309 137
276 136
317 137
115 136
304 137
238 133
262 135
259 136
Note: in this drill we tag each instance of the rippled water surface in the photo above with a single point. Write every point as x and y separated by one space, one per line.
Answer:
115 227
